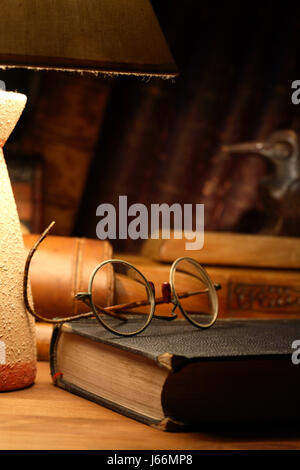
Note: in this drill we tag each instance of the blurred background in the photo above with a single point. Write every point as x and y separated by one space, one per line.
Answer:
86 140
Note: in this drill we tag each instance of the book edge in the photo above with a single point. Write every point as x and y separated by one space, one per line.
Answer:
166 360
164 424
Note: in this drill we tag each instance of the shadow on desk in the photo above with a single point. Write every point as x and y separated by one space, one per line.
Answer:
44 417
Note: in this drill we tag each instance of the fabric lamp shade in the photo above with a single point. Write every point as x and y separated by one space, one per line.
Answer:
99 36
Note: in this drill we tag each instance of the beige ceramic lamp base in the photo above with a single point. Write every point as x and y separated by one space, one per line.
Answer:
17 329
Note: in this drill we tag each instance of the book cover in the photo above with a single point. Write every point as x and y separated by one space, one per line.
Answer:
174 376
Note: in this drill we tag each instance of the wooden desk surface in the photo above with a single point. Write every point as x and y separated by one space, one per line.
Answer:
44 417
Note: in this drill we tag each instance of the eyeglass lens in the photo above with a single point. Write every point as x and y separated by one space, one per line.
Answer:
130 290
195 293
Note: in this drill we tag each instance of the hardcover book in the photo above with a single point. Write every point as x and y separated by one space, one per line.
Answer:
175 377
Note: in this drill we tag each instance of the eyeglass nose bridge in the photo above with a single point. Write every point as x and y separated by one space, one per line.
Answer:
167 297
166 292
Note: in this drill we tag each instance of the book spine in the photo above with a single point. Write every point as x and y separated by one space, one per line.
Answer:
255 293
137 119
64 129
43 340
231 249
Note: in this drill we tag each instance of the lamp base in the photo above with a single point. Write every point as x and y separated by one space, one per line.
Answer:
16 376
17 328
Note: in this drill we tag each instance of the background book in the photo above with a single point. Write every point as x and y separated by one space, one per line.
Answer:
230 249
236 372
65 120
61 267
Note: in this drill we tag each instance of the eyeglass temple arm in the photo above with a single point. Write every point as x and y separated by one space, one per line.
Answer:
25 286
85 297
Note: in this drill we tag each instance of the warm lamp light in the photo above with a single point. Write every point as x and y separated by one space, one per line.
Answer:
17 334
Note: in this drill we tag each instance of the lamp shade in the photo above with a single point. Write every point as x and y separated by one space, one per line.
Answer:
110 36
17 333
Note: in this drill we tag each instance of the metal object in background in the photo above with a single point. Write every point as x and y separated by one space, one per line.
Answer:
280 188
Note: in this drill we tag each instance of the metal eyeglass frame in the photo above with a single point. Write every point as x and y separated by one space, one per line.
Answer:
169 295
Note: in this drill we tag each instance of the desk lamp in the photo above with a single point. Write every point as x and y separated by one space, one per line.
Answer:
94 36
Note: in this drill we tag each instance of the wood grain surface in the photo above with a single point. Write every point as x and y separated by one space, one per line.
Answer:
44 417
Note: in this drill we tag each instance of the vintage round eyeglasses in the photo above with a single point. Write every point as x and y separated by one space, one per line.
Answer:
132 306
